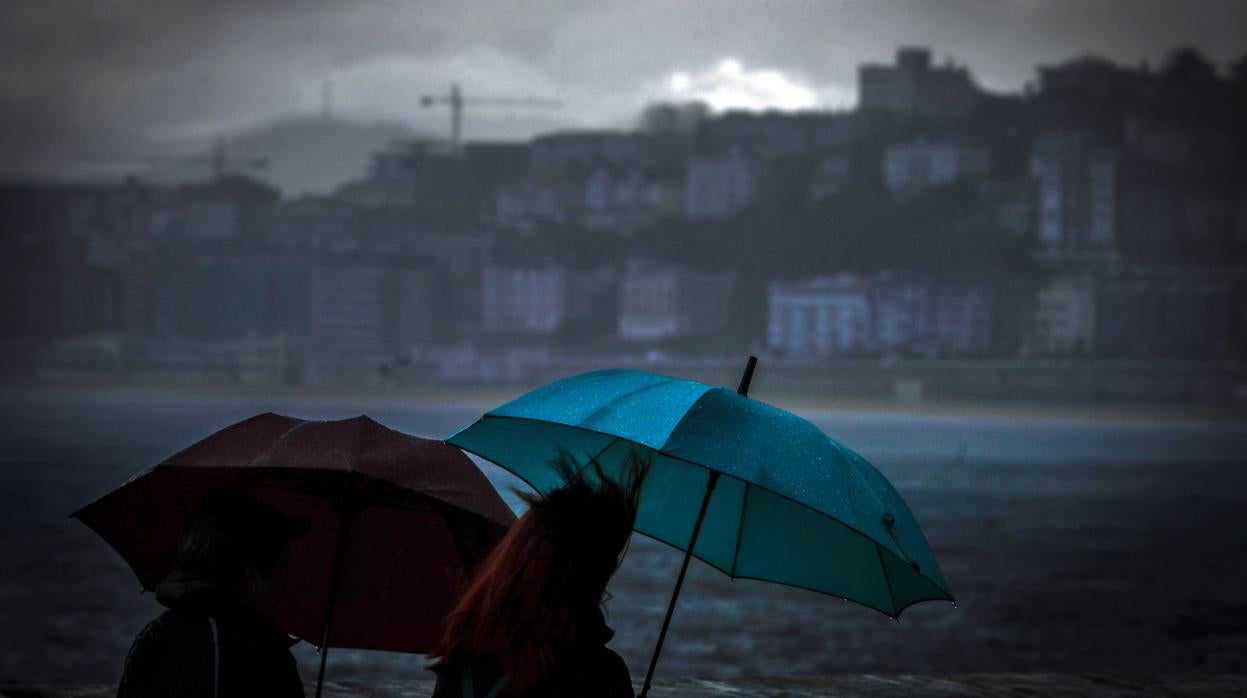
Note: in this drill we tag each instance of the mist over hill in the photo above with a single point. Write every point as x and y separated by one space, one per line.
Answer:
316 154
303 154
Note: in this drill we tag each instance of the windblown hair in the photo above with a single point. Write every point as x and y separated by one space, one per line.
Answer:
531 596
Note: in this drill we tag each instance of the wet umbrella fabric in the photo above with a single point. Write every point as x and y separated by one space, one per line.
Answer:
392 523
759 492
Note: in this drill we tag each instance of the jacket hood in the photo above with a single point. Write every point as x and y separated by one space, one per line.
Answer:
178 591
595 626
208 597
173 591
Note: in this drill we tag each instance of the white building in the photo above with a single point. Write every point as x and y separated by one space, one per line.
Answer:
819 317
523 299
963 319
1077 191
658 303
901 313
931 317
1065 315
718 187
627 199
922 164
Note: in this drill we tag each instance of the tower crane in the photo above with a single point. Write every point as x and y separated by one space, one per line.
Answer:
456 101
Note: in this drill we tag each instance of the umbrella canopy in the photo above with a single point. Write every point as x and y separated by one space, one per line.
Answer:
759 492
393 523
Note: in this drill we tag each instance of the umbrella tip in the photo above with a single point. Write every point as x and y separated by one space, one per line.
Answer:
747 378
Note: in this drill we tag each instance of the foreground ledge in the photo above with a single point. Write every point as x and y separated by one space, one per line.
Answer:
856 685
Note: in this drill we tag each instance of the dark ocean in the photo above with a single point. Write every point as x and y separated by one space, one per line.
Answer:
1072 545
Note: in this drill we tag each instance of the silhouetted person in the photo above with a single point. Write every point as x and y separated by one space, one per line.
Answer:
530 622
211 642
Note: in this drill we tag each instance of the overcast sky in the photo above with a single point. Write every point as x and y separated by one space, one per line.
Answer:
76 75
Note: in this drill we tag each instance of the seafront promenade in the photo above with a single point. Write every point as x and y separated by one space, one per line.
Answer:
856 685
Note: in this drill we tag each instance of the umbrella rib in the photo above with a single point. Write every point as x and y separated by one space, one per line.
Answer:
592 460
791 585
264 458
262 473
887 581
665 454
948 597
740 529
631 394
357 446
683 418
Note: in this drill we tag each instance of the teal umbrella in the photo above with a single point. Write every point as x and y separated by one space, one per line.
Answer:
750 489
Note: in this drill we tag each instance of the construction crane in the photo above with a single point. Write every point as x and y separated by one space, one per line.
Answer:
457 102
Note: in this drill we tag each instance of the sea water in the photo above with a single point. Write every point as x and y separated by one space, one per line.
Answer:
1072 545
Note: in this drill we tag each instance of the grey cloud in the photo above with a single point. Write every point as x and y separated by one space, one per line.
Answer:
103 72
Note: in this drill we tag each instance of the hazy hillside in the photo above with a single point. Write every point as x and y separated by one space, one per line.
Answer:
314 155
309 155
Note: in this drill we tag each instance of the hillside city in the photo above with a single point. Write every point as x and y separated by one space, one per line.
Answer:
1097 218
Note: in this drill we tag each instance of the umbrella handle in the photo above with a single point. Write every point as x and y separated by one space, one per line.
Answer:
679 581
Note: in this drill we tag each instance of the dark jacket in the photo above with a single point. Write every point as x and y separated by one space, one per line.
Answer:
209 643
590 670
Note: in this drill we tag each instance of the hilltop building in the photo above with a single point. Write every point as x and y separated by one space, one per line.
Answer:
365 312
657 303
915 87
1077 186
523 299
819 317
719 187
918 165
1065 315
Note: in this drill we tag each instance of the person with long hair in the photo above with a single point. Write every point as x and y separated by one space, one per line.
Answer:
530 623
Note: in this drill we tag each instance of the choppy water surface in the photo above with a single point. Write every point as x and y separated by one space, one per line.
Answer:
1072 546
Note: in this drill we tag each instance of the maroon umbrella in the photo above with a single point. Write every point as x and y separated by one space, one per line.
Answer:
393 523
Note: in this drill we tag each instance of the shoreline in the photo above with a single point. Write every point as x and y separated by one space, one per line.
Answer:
484 397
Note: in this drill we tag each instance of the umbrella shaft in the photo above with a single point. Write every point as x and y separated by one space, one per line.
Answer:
679 582
747 377
344 520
